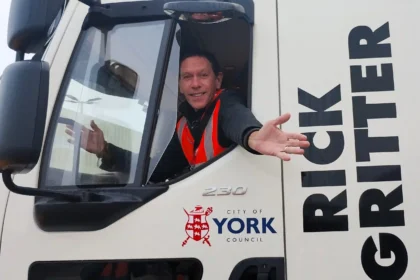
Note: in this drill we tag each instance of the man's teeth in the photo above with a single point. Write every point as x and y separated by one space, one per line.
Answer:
197 94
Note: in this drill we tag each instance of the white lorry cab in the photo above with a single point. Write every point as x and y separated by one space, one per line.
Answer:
347 209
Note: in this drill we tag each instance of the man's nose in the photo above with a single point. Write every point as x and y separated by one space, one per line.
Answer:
195 82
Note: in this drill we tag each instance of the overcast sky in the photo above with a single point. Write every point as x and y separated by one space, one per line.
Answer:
7 56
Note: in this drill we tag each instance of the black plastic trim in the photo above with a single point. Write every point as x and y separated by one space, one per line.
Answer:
109 15
250 66
249 9
97 210
39 270
264 266
8 182
91 2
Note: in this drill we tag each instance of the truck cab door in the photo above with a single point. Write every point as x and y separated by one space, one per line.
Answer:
222 220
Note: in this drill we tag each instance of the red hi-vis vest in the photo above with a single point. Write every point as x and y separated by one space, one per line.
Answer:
209 146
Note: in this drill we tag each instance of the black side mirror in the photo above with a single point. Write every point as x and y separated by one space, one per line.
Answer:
23 107
31 22
24 90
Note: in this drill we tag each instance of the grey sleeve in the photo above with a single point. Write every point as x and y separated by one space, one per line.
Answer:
236 120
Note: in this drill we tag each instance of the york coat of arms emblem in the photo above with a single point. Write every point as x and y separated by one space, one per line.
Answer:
197 227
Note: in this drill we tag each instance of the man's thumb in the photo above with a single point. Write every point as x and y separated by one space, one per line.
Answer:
93 125
281 119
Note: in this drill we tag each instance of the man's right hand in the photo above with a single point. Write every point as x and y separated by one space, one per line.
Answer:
92 141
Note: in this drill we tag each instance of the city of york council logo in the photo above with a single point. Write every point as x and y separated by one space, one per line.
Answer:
197 227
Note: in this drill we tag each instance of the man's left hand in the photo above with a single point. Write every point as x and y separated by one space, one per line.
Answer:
272 141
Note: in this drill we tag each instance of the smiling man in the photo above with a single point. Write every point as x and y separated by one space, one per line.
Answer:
212 119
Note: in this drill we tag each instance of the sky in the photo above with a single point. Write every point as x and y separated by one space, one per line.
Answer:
7 56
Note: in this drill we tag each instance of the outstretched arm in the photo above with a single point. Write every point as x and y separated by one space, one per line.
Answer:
236 120
241 126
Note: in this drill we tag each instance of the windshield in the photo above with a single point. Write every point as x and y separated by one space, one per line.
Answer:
106 96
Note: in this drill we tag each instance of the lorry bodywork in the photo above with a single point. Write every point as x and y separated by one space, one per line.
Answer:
345 210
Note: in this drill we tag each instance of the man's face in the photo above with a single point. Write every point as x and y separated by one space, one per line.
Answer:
198 82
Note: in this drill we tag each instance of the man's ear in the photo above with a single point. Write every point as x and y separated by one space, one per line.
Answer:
219 80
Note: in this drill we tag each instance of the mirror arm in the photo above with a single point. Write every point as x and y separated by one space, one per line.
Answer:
8 181
20 55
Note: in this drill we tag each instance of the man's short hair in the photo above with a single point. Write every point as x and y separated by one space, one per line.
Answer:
207 55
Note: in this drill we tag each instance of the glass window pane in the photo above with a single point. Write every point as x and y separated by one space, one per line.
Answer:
166 123
106 93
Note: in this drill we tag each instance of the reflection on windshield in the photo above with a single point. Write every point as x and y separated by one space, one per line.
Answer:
105 106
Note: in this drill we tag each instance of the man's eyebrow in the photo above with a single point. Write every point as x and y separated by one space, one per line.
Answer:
185 74
199 71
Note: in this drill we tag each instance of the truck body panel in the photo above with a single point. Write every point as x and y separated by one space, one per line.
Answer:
346 209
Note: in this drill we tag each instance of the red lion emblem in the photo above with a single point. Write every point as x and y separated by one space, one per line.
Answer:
197 227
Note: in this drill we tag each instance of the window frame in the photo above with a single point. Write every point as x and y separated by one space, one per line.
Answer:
96 18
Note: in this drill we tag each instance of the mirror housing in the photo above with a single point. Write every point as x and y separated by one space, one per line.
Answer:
24 89
204 11
23 107
117 79
31 22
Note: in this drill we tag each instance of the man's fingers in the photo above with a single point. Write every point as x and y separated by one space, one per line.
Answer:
81 128
293 143
83 142
281 119
298 136
297 143
69 132
84 131
304 144
287 151
293 150
282 155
